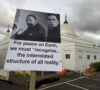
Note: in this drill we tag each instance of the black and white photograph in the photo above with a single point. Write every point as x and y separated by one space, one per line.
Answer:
36 26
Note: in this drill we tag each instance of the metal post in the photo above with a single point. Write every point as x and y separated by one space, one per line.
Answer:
32 80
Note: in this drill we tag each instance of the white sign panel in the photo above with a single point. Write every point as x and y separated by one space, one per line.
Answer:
35 43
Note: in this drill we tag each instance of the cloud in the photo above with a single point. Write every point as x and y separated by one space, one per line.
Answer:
90 37
16 3
5 17
88 15
7 13
87 19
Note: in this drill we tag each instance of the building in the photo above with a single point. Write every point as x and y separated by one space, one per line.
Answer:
3 50
77 54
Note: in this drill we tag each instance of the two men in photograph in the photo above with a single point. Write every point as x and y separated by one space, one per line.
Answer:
36 32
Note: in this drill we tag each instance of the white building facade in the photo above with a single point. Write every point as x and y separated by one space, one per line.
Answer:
77 54
3 51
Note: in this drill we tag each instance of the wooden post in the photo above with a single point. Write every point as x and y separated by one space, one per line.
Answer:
42 74
32 80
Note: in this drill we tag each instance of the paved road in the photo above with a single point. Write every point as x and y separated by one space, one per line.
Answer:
81 83
73 82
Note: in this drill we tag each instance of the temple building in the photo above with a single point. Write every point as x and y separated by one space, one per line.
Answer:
3 51
77 54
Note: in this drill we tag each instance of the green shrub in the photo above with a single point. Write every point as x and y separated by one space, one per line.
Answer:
95 65
24 74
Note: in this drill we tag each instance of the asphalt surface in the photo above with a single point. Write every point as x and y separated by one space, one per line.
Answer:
68 82
91 82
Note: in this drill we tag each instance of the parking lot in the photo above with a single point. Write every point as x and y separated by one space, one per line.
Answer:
69 82
91 82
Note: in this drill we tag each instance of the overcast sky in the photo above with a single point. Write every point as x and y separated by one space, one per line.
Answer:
83 15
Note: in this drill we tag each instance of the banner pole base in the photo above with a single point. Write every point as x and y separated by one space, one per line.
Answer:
32 80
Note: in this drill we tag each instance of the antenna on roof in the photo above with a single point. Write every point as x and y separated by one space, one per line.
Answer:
65 19
8 28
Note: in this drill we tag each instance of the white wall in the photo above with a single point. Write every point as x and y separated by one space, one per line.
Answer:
69 63
83 63
3 51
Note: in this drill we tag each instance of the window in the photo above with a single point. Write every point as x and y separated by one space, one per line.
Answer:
67 56
95 57
88 56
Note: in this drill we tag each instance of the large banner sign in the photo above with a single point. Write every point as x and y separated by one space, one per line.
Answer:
35 43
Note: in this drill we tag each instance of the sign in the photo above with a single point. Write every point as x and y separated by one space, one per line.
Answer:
35 42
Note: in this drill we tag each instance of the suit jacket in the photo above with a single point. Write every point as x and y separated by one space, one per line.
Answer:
54 35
